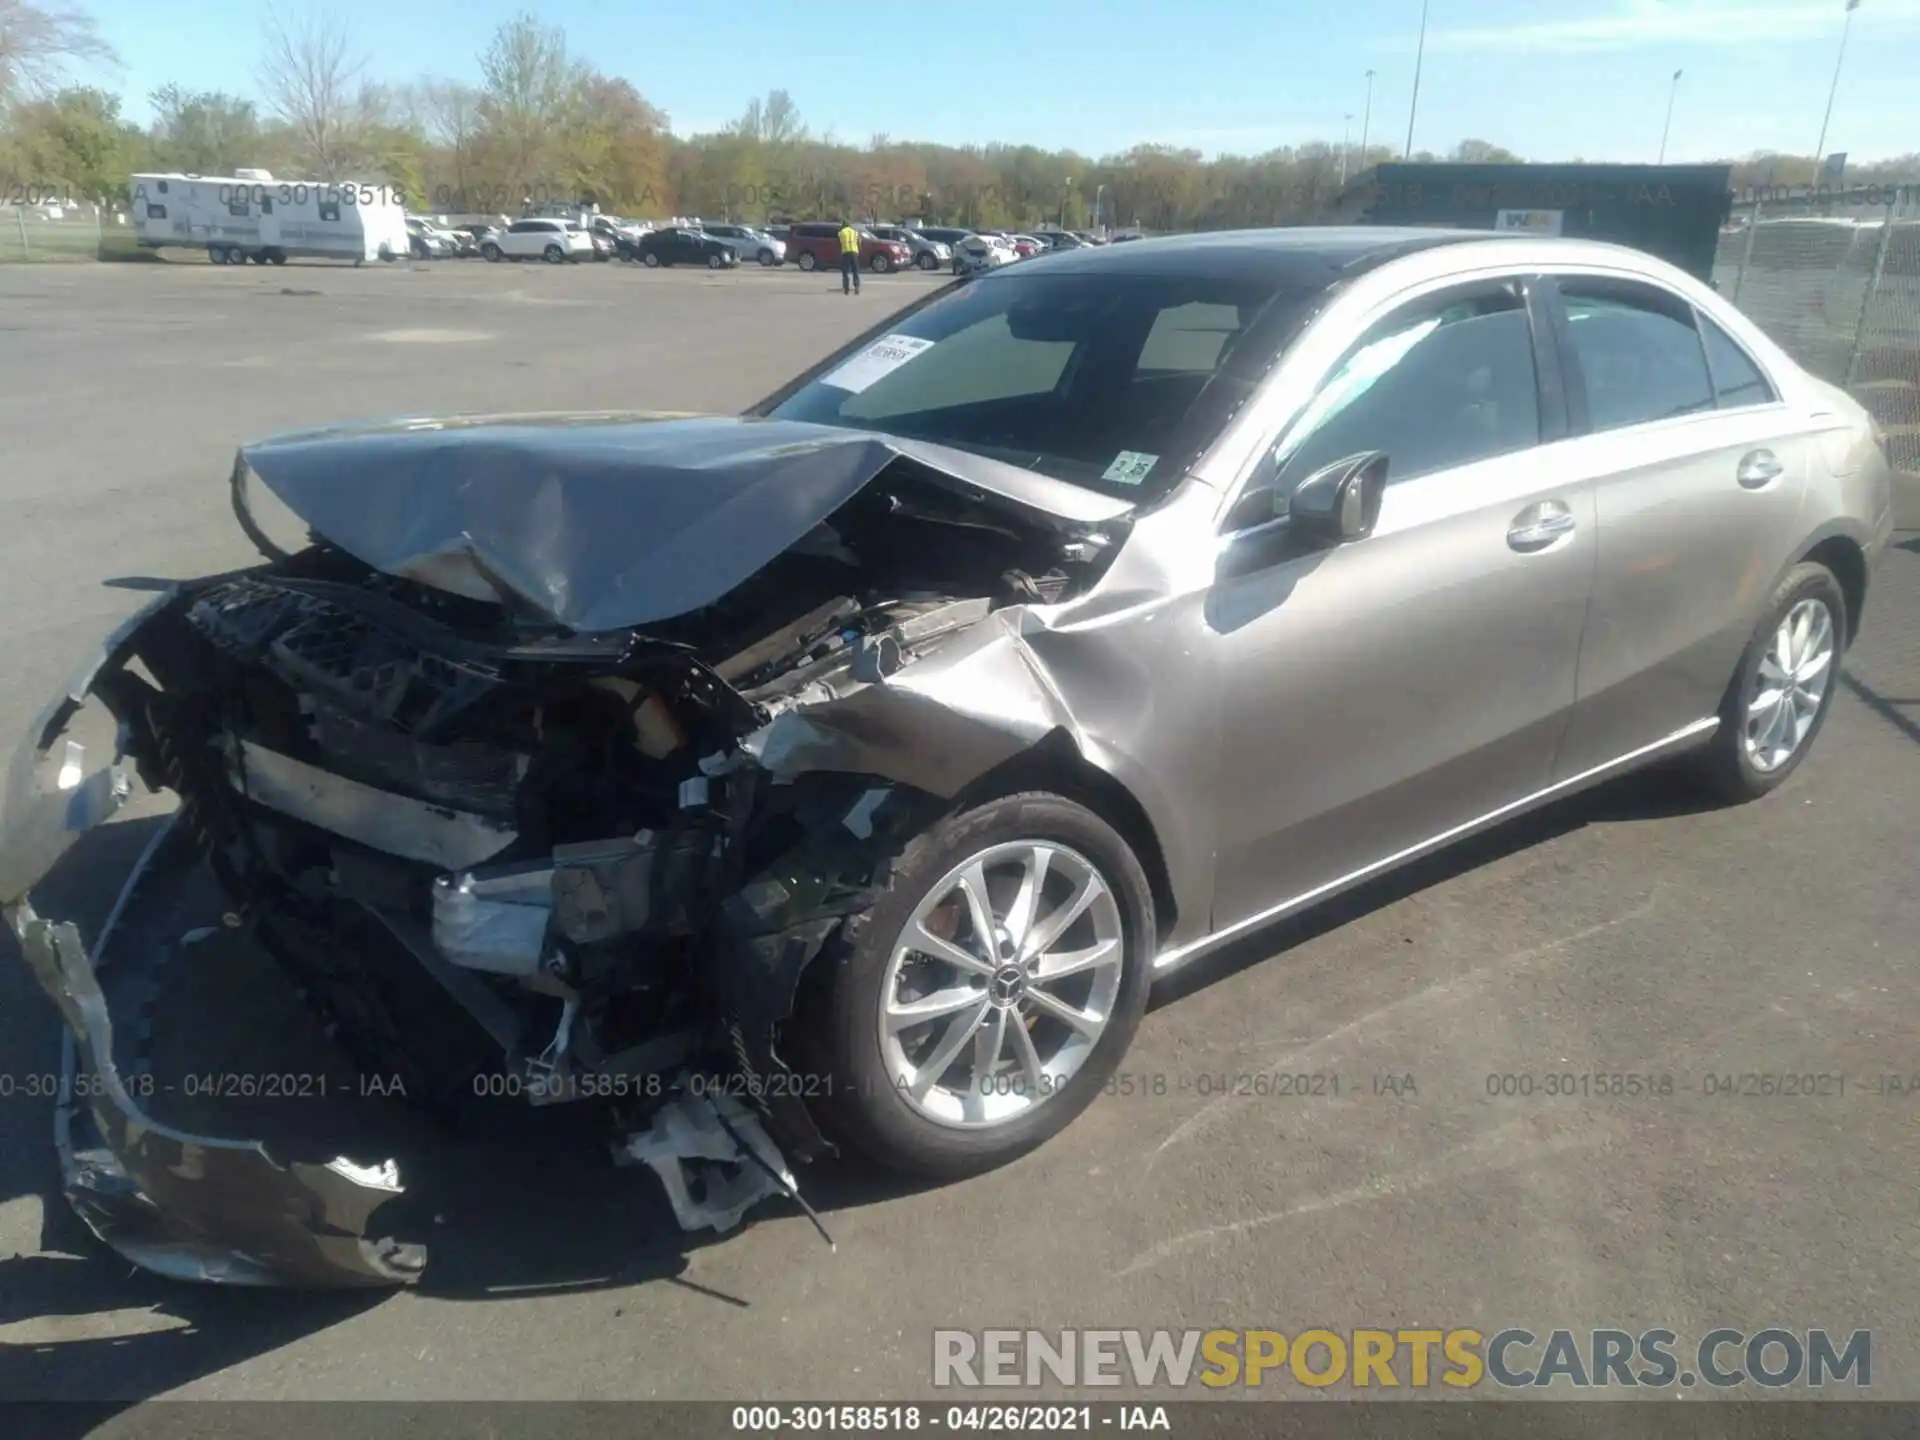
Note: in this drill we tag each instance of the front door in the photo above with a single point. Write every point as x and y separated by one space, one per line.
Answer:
1382 693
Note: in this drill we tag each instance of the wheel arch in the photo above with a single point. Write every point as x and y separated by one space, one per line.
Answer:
1055 764
1847 559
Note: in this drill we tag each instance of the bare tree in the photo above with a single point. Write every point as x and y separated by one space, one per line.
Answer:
38 43
531 85
308 72
780 119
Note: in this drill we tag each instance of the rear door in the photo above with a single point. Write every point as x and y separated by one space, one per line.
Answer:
1699 474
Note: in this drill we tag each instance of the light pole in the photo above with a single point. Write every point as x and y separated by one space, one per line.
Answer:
1820 149
1671 92
1419 55
1098 191
1366 116
1346 146
1065 195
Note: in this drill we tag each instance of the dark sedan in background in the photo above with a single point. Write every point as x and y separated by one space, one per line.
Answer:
677 245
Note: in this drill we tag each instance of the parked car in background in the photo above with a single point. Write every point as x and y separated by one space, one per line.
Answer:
750 243
815 245
424 242
1060 240
1088 237
978 253
540 238
927 253
681 245
613 229
946 235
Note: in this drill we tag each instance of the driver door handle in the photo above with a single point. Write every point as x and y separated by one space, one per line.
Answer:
1538 526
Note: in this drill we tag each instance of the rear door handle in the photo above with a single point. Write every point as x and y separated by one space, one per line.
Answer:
1539 525
1758 469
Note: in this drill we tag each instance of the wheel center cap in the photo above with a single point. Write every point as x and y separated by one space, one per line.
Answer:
1008 984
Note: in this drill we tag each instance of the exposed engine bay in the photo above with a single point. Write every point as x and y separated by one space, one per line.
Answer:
549 827
501 857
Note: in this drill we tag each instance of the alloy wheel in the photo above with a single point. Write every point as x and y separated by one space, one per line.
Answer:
1001 984
1790 685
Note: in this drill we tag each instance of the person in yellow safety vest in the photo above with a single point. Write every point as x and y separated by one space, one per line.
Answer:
849 259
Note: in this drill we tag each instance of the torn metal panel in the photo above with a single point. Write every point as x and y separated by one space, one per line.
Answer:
190 1206
57 788
710 1180
938 723
598 524
379 819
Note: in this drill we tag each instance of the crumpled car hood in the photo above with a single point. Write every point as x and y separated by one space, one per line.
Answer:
603 522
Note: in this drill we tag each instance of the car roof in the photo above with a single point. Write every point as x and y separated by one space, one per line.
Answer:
1304 254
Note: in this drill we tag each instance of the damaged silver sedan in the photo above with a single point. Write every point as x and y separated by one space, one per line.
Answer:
842 774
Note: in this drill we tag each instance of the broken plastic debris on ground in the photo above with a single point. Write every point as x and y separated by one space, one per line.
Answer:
695 1145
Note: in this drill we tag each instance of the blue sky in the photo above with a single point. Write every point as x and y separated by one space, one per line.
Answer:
1549 78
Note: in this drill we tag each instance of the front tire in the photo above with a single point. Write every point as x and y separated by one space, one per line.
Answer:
492 253
1779 697
650 260
983 1001
882 264
766 258
807 260
715 262
927 262
554 255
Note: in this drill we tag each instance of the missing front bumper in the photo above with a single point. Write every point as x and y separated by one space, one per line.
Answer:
184 1205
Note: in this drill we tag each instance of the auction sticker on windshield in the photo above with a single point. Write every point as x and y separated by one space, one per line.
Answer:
1129 467
876 362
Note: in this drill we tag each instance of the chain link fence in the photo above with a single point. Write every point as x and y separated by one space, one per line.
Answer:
1840 292
60 230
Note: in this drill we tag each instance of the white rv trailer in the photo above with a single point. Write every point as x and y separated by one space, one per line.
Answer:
252 216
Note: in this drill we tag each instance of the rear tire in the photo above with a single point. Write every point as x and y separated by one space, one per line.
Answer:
1780 695
962 1126
554 255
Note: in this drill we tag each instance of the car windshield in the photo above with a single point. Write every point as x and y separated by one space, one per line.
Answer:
1095 379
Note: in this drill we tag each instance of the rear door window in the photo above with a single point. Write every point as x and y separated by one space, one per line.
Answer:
1737 380
1637 351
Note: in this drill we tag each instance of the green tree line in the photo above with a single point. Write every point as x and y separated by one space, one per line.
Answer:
544 125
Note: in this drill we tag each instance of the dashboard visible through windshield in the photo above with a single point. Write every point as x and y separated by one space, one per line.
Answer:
1092 379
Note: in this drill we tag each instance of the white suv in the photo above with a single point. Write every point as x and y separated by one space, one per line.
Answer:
555 241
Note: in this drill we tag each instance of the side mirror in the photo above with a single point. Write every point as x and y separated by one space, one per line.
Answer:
1339 502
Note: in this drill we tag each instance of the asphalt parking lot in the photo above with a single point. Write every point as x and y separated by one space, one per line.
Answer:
1628 931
